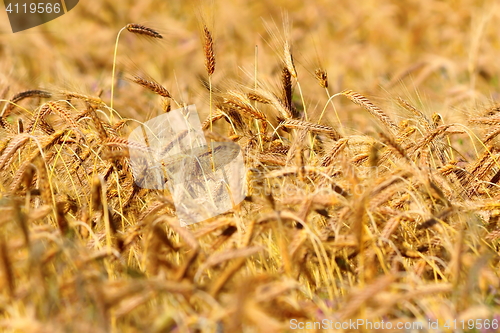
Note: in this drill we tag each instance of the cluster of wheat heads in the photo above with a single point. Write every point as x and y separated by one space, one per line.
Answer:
398 226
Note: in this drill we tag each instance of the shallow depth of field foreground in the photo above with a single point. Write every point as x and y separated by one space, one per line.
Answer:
370 131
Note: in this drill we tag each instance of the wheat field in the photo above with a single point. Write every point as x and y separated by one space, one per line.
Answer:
370 134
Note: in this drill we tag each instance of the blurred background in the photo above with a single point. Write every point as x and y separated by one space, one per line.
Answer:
440 55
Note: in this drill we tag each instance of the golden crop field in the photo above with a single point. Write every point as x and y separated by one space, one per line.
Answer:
370 133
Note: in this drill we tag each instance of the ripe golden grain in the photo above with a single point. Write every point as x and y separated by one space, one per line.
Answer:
23 95
332 219
152 86
208 48
322 77
370 107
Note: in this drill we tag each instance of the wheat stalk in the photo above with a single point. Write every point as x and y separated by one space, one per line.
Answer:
135 29
8 271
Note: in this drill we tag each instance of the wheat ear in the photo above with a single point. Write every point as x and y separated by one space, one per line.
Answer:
208 48
136 29
286 82
16 143
361 100
89 99
312 127
152 86
288 59
8 127
23 95
419 114
142 30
